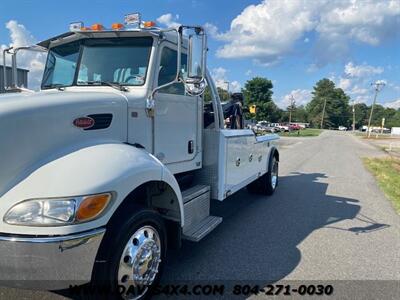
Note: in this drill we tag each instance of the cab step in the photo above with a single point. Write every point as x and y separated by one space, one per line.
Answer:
198 222
199 230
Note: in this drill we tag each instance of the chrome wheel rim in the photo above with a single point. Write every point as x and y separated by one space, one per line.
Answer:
139 262
274 173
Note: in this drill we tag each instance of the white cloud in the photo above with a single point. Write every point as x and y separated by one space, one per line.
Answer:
394 86
363 70
356 90
344 83
212 30
33 61
393 104
248 72
221 80
312 68
301 97
271 29
168 20
356 81
235 86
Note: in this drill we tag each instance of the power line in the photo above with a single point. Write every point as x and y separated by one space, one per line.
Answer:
378 87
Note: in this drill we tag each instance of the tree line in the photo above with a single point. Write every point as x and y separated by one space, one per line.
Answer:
338 107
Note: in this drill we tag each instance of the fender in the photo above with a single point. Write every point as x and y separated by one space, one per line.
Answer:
112 167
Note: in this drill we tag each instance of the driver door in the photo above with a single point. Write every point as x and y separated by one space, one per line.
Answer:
176 120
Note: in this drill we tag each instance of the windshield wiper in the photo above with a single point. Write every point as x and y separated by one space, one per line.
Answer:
114 85
58 86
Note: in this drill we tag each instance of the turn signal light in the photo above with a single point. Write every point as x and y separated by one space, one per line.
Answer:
117 26
92 206
149 24
97 27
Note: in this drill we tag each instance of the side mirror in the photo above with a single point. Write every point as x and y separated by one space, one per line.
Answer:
195 87
194 80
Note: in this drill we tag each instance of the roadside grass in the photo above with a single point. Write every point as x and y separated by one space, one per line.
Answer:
387 173
390 150
374 136
308 132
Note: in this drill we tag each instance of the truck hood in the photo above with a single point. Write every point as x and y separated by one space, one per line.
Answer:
38 128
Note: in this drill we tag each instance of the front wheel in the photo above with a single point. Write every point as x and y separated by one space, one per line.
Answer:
133 254
267 183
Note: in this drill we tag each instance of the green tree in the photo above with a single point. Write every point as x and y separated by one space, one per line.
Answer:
223 94
300 114
361 114
391 116
393 119
258 91
337 112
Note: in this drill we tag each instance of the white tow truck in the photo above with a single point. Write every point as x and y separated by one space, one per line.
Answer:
116 159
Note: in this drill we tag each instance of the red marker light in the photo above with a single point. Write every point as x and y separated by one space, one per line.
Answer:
84 122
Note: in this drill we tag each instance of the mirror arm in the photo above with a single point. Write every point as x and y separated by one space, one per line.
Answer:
14 72
5 51
205 50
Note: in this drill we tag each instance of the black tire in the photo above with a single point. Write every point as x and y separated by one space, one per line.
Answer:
105 281
265 185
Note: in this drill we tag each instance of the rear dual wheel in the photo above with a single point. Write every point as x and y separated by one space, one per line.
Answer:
267 183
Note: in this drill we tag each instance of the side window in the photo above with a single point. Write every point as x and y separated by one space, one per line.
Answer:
208 109
61 64
167 71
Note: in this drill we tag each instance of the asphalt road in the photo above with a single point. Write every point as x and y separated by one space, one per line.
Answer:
327 223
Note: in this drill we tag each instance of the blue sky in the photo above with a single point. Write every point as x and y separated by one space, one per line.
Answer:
293 43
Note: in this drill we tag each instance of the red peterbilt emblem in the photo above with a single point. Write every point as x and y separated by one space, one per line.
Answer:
84 122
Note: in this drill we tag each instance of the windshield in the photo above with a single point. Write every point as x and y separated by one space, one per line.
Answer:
121 61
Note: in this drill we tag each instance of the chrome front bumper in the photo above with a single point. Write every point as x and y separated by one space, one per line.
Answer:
48 262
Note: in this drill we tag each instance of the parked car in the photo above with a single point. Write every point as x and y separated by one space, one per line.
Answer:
276 126
284 128
342 128
294 127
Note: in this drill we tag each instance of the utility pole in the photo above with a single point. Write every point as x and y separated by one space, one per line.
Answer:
292 103
323 114
378 85
354 116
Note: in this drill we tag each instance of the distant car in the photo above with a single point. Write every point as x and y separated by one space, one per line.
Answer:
284 128
276 126
294 127
342 128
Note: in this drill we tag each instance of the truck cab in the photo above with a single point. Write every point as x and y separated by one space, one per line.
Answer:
118 150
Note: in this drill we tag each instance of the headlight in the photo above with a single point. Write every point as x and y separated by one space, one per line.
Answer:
57 212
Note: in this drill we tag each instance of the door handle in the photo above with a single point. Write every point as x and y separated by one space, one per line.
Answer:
191 147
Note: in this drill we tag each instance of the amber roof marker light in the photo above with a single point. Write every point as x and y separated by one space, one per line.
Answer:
97 27
149 24
117 26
